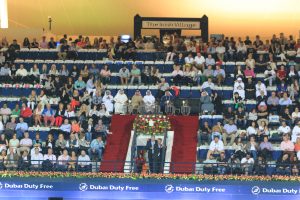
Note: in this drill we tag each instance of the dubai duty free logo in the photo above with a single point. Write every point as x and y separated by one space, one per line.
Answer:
83 187
169 188
255 190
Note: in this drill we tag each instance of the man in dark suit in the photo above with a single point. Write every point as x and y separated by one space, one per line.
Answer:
24 161
160 156
152 147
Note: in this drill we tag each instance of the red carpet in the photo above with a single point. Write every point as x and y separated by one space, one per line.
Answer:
185 143
117 143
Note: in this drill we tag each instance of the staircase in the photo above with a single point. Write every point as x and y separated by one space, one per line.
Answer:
185 143
117 143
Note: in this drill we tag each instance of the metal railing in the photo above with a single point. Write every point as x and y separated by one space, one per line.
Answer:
154 167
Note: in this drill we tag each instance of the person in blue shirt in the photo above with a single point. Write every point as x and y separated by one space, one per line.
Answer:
21 127
167 99
97 147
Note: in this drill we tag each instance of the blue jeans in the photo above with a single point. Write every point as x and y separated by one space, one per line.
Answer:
97 151
88 136
254 154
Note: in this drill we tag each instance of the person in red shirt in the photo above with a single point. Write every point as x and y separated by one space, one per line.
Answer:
281 73
26 113
297 144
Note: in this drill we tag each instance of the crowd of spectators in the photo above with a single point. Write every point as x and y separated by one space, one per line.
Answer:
83 110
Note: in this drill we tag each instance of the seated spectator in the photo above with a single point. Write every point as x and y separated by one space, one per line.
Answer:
177 75
21 75
208 61
261 64
250 89
63 161
296 132
37 115
21 127
286 116
250 62
166 100
60 144
59 115
210 165
206 103
149 102
287 146
239 148
274 119
3 142
230 131
135 75
36 158
80 85
189 59
273 102
239 87
24 161
252 116
120 102
100 129
108 101
63 50
205 134
228 115
12 159
249 72
281 74
208 86
163 86
247 164
97 147
208 72
49 160
136 101
26 113
252 147
124 75
260 166
25 143
260 87
285 101
215 147
270 75
265 148
75 127
220 50
5 113
83 162
146 75
283 165
48 115
219 75
235 164
284 128
105 75
217 130
37 141
69 113
252 130
72 143
222 164
188 76
296 115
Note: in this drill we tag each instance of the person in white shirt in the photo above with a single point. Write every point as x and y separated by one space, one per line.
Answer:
25 143
284 128
216 147
189 59
63 160
220 50
260 87
208 86
21 71
84 161
120 102
199 61
177 75
149 102
296 132
36 158
239 87
252 130
66 126
247 164
50 156
108 101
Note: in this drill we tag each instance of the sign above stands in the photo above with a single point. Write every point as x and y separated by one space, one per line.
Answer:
170 25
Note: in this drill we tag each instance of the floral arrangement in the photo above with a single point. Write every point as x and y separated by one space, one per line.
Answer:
151 124
134 176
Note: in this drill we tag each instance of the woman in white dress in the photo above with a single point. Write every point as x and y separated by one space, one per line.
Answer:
120 102
149 101
108 101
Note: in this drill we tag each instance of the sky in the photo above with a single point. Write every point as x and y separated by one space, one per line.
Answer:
114 17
